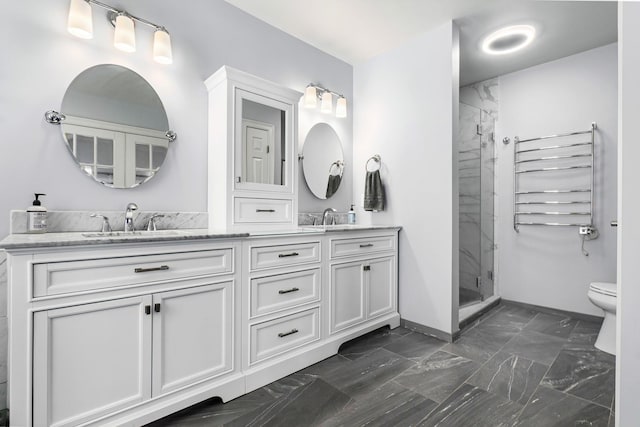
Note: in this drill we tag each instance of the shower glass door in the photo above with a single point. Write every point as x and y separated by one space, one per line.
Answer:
476 171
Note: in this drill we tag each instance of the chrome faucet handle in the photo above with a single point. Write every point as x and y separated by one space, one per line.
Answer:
151 225
106 227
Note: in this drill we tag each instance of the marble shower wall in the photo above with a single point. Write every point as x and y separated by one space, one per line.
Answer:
477 157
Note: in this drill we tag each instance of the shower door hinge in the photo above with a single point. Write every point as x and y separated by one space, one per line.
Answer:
492 137
478 130
490 274
478 281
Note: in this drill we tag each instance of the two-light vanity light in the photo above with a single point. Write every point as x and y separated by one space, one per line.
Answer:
313 93
80 24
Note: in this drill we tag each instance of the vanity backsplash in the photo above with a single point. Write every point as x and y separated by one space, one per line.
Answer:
315 218
79 221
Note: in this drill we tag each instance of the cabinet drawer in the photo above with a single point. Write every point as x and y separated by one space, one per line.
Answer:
75 276
262 210
282 334
273 293
284 255
363 245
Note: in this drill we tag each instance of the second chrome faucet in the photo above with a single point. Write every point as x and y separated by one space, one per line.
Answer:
128 217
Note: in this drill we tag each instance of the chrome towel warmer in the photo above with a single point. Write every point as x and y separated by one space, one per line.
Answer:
565 153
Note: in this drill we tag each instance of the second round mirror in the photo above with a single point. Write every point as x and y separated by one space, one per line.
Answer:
323 161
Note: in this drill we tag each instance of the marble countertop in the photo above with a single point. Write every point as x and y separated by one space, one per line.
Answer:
25 241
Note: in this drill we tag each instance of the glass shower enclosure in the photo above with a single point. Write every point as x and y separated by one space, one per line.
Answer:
476 173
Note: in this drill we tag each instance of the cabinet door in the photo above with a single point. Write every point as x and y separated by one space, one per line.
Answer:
381 280
347 295
192 335
90 360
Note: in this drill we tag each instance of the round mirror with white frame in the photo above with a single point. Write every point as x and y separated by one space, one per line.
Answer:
323 161
115 126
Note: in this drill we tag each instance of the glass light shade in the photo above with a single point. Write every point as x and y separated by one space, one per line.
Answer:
310 97
162 47
124 37
80 22
327 103
341 107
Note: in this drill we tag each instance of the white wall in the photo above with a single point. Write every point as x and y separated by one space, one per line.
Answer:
544 265
406 101
41 60
628 348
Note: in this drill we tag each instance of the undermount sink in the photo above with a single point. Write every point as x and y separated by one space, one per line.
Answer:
141 233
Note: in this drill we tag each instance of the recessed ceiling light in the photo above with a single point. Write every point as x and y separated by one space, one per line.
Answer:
508 39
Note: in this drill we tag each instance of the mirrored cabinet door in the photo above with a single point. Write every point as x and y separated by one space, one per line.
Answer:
264 129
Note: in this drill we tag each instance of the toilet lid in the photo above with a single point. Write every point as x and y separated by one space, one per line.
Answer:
604 288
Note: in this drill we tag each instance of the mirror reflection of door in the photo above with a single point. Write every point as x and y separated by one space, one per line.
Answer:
258 148
112 153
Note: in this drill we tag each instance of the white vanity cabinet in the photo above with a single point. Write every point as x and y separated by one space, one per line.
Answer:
363 283
126 333
156 328
252 152
283 297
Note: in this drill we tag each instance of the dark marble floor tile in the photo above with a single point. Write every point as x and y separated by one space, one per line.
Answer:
612 419
550 408
509 376
510 316
437 376
585 332
535 346
551 324
309 404
415 346
212 412
362 376
481 342
328 367
363 345
390 405
473 407
584 371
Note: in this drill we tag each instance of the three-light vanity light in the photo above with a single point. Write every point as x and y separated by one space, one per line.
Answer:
313 93
80 24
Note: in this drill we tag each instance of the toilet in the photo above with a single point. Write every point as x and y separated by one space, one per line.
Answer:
604 295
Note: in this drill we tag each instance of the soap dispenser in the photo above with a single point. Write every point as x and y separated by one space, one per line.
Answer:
351 216
37 216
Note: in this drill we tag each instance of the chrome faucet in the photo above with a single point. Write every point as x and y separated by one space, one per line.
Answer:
128 217
326 213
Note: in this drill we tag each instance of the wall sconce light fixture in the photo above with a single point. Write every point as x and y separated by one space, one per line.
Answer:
314 92
80 24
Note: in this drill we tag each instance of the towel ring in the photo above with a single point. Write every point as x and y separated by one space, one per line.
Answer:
338 164
376 158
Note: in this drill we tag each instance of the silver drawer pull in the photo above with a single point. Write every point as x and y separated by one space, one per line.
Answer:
288 291
291 332
146 270
288 255
265 210
367 245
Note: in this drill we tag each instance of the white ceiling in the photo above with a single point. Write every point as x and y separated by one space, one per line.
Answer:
357 30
